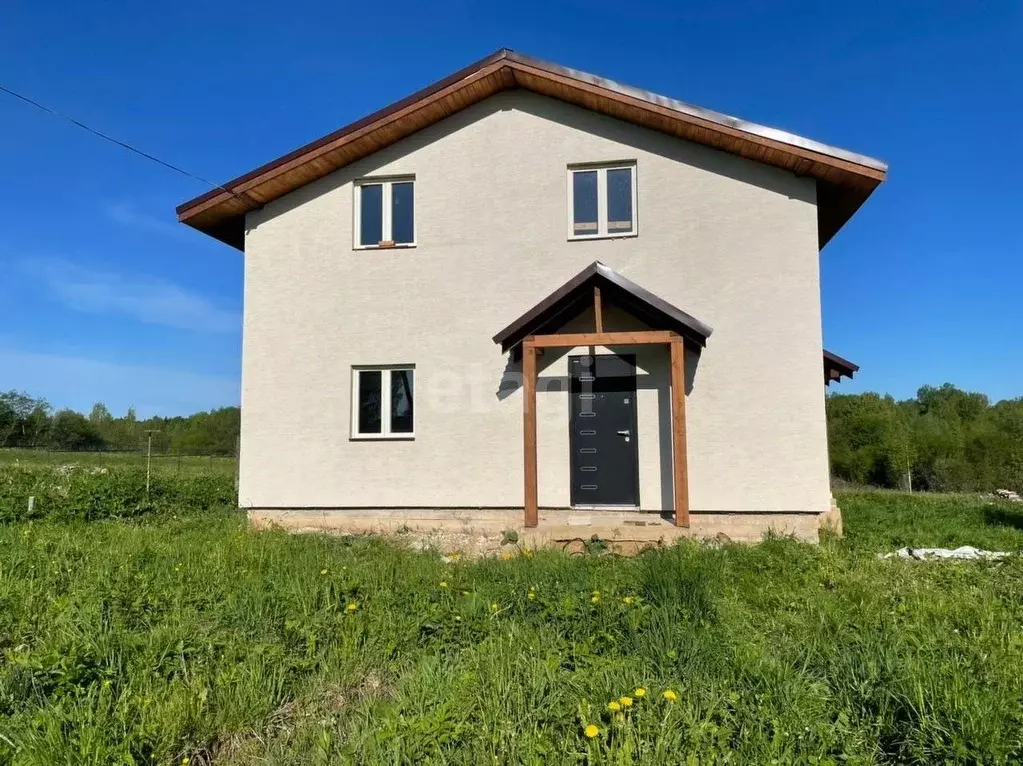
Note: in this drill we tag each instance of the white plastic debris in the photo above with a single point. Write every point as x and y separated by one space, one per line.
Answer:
967 552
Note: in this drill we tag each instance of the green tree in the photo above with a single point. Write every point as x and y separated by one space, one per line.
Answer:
70 430
869 439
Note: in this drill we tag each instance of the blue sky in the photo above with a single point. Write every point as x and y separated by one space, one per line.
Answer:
103 296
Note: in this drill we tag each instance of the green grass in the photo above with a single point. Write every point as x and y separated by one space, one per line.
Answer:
883 520
185 635
185 465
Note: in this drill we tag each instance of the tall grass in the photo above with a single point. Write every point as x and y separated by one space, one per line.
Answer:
193 637
178 465
76 492
883 520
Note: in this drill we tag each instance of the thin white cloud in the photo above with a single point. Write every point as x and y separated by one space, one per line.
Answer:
147 299
79 382
128 215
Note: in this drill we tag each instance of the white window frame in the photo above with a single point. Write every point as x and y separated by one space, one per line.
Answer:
386 183
385 399
601 168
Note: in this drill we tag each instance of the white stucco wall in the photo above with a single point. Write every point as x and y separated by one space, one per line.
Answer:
732 242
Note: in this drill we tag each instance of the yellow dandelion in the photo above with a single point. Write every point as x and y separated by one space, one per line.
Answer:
595 598
443 585
626 701
591 731
323 571
639 692
613 706
628 600
494 607
531 595
352 607
670 695
185 761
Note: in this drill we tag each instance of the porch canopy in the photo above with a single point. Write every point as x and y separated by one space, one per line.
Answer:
835 368
537 329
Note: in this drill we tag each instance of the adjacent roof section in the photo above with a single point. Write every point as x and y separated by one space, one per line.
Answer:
835 368
577 294
844 179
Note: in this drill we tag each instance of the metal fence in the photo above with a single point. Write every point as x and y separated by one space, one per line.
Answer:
176 463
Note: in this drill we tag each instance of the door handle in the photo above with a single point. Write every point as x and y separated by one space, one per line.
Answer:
626 432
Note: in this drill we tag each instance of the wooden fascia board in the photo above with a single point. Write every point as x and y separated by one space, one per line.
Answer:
506 67
273 171
709 125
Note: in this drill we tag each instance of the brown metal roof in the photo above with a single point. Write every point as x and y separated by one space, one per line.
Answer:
835 367
577 293
844 179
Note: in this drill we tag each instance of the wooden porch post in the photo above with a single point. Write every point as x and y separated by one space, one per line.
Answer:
529 431
678 431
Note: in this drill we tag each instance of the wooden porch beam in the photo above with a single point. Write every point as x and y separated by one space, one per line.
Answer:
598 313
680 461
530 498
638 337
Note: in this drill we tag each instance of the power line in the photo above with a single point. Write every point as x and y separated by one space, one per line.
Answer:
113 140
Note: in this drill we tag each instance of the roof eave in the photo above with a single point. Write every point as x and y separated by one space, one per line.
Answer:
220 212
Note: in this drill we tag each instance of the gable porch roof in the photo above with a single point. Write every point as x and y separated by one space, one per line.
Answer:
835 368
577 293
844 179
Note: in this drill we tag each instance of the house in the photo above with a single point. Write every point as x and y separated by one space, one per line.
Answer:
530 297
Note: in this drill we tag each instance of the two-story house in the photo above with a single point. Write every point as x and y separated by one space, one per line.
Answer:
653 265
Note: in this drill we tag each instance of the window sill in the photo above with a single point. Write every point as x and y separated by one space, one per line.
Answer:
591 237
382 438
409 246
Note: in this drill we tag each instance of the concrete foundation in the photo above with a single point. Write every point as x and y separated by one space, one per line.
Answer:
831 520
623 531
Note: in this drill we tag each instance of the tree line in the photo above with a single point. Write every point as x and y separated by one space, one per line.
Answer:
944 440
29 422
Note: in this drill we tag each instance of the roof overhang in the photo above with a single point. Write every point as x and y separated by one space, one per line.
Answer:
569 300
844 179
835 368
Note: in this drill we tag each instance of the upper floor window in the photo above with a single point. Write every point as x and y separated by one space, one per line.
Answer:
385 212
602 201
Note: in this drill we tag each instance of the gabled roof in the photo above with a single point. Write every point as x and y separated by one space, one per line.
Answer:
835 367
577 293
844 179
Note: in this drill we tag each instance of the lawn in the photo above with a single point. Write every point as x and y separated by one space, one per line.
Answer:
179 634
168 464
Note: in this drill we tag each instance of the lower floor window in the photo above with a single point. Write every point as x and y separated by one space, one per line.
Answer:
382 402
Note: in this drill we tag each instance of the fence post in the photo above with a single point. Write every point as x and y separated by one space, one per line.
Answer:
149 456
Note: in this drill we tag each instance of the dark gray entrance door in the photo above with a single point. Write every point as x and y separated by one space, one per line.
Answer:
603 438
